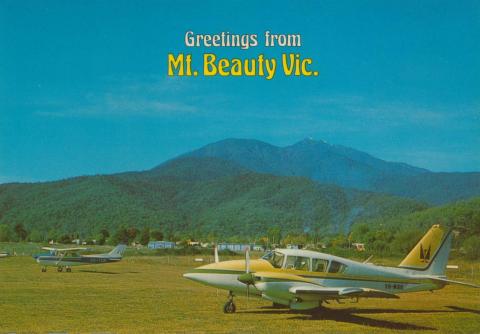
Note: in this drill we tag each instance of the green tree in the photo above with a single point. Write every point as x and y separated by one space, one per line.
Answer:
65 239
340 241
21 232
53 235
35 236
156 235
132 234
274 234
471 247
145 236
5 233
405 240
102 236
120 236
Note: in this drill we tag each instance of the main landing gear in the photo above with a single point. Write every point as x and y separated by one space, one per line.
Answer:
59 269
44 269
229 306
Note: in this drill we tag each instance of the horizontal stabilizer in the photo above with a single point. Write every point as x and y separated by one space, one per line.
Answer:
449 281
341 292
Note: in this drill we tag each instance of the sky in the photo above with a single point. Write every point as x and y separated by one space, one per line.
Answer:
84 87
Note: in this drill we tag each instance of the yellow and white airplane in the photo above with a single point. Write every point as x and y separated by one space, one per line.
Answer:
303 279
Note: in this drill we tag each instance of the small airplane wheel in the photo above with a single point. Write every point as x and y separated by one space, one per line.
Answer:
59 269
69 270
229 307
277 305
44 270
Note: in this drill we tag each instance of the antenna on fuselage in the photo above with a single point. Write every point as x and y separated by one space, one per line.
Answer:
368 260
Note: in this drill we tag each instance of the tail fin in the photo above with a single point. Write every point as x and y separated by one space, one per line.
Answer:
430 255
118 251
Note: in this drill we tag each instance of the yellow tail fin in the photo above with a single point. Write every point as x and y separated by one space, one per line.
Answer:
421 256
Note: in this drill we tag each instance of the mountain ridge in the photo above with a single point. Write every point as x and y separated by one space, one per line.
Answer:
343 166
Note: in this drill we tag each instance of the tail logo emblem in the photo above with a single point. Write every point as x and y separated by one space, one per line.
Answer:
424 254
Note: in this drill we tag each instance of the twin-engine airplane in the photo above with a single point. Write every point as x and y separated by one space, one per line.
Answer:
302 279
68 257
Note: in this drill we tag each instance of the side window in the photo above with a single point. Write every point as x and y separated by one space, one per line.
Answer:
297 263
319 265
336 267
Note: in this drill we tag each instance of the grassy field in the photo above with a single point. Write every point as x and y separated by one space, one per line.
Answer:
148 295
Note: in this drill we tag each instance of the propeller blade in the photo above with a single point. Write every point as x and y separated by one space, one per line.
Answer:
215 251
247 260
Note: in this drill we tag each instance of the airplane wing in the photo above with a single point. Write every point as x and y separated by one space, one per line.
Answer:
449 281
62 250
330 292
281 276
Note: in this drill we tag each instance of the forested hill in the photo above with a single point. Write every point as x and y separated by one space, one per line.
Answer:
403 231
195 197
345 167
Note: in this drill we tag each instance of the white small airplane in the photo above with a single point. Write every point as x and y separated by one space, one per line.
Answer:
3 254
67 257
302 279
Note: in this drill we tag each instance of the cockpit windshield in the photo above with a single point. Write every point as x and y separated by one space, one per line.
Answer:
275 259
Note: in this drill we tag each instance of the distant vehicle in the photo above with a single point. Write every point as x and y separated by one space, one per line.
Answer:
66 258
302 279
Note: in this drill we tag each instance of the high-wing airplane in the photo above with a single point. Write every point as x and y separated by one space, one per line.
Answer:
68 257
303 279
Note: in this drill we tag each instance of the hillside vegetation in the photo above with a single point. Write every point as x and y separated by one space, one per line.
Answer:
192 197
400 233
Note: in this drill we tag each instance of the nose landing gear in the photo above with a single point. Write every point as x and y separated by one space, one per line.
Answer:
229 306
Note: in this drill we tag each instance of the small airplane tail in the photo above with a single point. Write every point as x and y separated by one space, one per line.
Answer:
430 254
117 251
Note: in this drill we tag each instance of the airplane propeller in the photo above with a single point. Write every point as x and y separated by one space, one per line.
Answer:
247 278
215 253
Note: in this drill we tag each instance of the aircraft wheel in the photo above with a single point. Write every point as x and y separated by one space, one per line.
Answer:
59 269
44 269
229 307
69 270
277 305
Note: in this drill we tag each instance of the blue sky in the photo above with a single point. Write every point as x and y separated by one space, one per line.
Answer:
83 85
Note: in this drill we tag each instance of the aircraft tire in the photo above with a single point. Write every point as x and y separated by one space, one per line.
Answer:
59 269
44 270
229 307
277 305
69 270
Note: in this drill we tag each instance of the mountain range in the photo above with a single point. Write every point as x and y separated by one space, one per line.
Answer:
345 167
237 188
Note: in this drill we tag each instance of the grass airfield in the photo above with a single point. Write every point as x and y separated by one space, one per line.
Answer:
146 294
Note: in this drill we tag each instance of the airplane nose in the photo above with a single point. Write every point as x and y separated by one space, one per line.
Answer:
193 276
